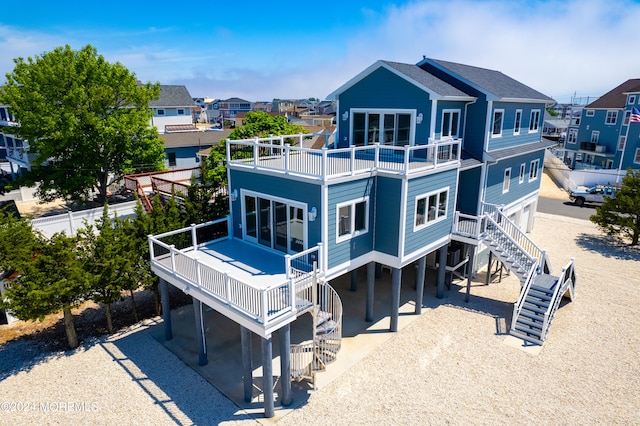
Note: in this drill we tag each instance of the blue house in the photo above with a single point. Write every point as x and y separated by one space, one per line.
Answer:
434 164
605 137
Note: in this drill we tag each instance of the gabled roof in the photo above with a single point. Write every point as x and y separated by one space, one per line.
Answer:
173 96
617 98
491 82
236 100
193 139
437 88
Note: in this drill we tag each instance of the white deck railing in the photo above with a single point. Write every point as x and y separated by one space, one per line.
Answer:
173 252
324 164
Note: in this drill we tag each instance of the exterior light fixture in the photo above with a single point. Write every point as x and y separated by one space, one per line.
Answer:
312 214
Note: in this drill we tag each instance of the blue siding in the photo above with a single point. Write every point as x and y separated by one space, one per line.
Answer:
469 191
302 192
344 251
384 89
416 240
508 139
389 192
473 137
495 177
185 156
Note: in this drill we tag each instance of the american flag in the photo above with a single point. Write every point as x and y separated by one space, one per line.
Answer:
635 115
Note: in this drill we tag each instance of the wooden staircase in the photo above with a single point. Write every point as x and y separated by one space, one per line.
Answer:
541 292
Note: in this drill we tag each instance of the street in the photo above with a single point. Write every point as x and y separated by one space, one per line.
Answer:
565 208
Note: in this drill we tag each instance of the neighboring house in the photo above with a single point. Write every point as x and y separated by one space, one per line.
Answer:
605 137
555 128
172 110
229 108
13 149
262 106
435 164
181 148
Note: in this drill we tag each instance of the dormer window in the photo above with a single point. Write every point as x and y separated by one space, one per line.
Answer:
632 100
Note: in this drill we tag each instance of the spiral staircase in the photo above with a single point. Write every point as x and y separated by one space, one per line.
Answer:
313 355
541 291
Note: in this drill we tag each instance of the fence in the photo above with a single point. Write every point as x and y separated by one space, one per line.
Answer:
70 222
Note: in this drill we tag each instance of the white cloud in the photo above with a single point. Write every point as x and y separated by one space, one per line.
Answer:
556 47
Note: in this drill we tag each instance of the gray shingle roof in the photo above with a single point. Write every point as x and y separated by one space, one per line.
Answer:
191 139
501 154
173 96
494 82
426 79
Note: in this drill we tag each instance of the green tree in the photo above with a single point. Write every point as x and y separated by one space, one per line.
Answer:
110 258
54 280
18 242
162 218
207 199
86 120
620 215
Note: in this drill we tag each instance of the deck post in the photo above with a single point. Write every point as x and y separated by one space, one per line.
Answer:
442 269
354 280
371 280
396 278
247 371
488 279
267 377
200 337
420 273
472 253
378 270
285 364
163 286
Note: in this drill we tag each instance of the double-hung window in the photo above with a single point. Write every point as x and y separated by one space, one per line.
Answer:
533 169
352 219
392 127
498 117
506 182
612 117
431 208
595 136
521 177
534 121
450 123
517 122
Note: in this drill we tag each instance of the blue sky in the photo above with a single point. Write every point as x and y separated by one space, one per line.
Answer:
260 50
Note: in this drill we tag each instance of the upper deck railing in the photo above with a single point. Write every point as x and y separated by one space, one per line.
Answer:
325 164
174 253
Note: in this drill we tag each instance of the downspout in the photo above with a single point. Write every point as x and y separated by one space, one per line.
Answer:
485 156
432 123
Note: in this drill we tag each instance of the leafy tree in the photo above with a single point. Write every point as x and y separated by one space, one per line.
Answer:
162 218
86 120
206 200
53 280
620 215
110 256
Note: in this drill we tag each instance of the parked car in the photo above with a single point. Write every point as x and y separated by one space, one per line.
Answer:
595 194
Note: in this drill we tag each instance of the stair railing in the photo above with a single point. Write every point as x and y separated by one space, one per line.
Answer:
565 281
522 240
517 308
507 235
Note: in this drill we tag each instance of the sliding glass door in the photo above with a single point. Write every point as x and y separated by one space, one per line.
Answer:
275 223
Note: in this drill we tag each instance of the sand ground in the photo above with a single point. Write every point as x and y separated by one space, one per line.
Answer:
454 364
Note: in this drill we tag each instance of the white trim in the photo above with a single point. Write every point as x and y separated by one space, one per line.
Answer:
595 134
404 185
534 170
614 117
523 167
352 219
631 100
382 112
506 180
438 216
452 133
271 199
534 125
622 141
636 159
515 120
590 113
493 122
